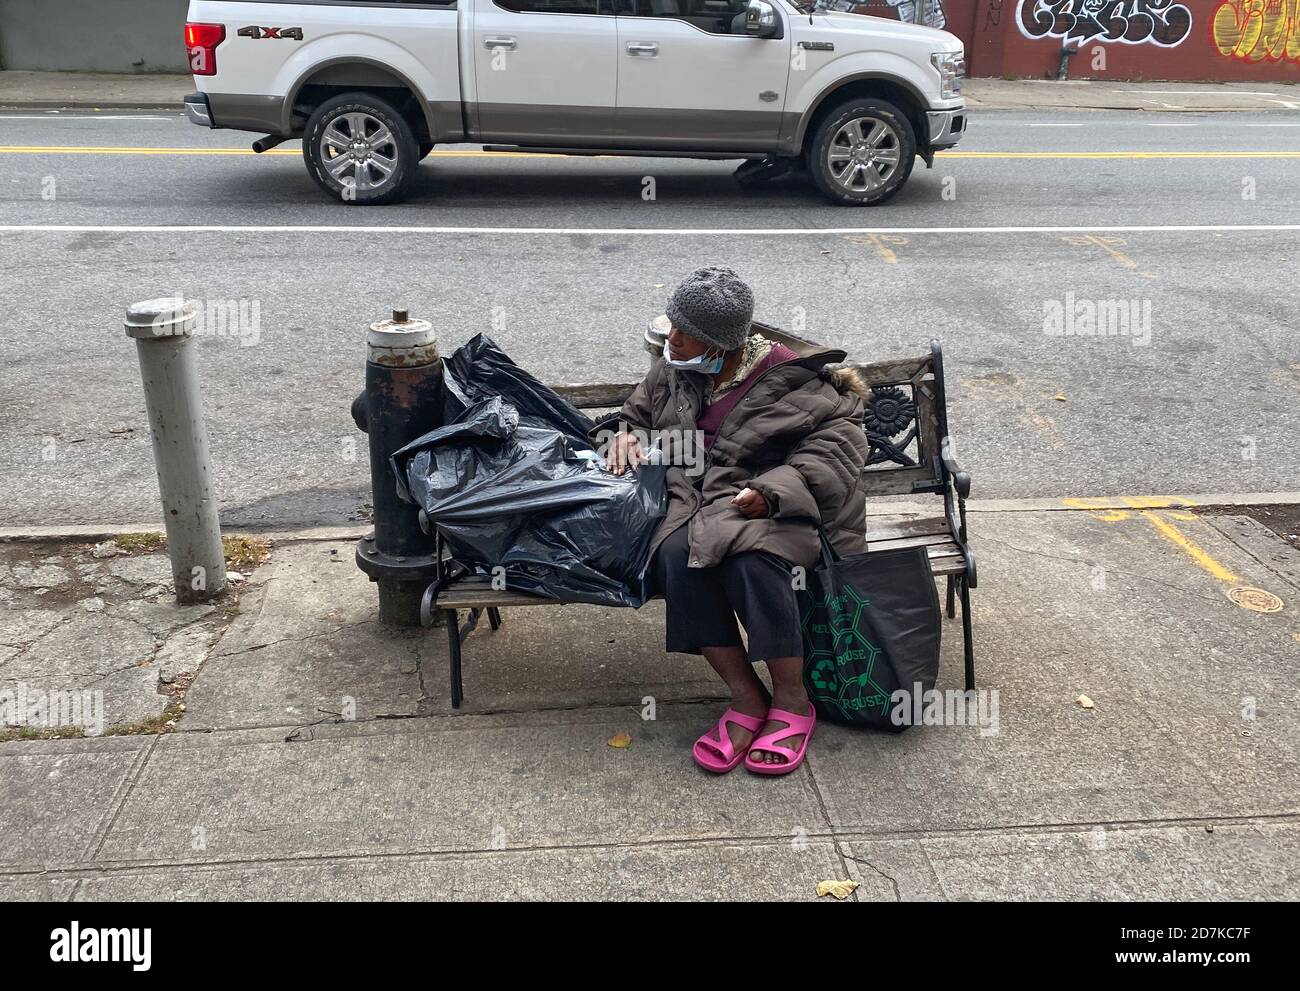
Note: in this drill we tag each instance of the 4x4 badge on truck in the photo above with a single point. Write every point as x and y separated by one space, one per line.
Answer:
253 31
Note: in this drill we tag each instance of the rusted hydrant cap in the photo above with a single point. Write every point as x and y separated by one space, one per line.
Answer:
401 342
169 316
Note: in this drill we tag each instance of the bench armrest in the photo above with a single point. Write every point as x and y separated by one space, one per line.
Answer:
960 478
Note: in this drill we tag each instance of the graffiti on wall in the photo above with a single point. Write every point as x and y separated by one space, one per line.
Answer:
1166 23
1255 30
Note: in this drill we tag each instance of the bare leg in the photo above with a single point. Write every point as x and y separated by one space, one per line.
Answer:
748 694
787 693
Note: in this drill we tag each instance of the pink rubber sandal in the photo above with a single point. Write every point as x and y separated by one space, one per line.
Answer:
796 724
717 754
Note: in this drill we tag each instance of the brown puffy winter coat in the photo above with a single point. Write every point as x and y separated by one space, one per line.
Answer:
796 437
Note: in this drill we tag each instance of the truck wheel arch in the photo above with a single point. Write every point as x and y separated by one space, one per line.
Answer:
357 73
879 85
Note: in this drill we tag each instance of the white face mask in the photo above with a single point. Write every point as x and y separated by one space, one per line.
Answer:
700 363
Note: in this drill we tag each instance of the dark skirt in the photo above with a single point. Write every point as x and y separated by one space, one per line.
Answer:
703 604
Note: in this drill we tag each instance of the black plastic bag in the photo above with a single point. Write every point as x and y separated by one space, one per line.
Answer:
480 370
871 627
513 482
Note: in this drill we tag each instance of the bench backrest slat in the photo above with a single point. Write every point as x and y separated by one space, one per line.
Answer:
596 396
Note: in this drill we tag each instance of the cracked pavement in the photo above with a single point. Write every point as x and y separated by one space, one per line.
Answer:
72 622
319 757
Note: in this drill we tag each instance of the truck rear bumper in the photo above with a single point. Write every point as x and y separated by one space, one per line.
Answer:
946 127
260 114
198 110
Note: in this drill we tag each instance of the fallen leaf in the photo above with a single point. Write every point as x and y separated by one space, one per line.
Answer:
1084 701
840 889
620 741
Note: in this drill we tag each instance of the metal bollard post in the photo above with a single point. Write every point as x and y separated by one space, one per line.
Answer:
162 329
403 401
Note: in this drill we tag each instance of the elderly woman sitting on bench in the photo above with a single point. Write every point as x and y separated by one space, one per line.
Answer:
784 451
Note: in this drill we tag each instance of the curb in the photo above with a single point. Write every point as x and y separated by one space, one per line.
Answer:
46 105
105 531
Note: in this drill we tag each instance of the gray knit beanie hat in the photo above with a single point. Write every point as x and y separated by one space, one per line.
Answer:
713 305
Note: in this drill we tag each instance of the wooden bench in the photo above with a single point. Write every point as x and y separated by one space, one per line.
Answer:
906 421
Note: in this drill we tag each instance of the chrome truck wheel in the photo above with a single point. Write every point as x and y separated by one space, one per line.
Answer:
862 152
360 149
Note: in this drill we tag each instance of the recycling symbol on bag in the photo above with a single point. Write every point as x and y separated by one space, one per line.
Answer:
841 675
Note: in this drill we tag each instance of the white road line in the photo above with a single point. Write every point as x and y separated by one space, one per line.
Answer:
622 231
1199 92
47 117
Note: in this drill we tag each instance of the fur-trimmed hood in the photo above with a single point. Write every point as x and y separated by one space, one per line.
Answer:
847 379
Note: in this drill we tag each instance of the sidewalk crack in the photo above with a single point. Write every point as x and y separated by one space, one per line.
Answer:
893 881
128 786
1084 561
302 639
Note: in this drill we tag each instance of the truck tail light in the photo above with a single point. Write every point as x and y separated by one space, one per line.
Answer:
202 40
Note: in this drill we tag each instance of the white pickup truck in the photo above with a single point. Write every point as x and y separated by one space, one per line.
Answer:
371 86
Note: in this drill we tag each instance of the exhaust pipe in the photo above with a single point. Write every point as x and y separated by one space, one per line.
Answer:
268 142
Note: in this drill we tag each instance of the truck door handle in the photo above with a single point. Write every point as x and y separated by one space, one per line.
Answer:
507 43
642 48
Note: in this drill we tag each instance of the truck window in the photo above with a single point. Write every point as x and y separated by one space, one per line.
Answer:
556 6
714 16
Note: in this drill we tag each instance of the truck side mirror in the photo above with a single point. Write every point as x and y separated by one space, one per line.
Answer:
760 19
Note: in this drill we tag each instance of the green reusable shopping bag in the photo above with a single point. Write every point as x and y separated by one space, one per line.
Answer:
871 627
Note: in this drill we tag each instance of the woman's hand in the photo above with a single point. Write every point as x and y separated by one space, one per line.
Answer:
624 452
751 504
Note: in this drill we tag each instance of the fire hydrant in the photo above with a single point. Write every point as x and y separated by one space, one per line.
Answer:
402 402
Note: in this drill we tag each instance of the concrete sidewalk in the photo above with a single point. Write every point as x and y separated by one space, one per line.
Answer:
107 91
317 755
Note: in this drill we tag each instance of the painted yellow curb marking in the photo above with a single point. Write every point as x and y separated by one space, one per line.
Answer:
1190 548
1106 510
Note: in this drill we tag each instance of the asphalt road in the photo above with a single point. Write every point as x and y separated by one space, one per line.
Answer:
563 261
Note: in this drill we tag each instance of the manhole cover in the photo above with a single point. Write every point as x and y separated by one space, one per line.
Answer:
1255 599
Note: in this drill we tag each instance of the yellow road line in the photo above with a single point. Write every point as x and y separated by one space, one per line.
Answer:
1119 154
109 150
105 150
